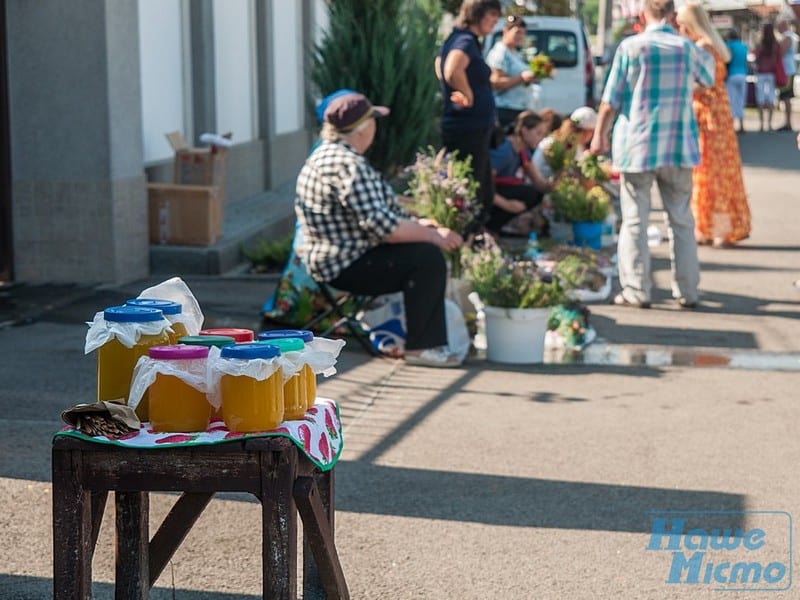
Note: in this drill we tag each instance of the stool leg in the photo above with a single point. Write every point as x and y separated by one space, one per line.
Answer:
312 584
133 560
316 527
72 529
279 522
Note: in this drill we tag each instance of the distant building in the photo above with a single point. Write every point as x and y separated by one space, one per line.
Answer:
88 91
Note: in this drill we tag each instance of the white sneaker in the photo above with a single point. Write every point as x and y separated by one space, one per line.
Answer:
433 357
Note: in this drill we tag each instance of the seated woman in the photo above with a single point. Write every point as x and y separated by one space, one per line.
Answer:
578 130
519 185
358 237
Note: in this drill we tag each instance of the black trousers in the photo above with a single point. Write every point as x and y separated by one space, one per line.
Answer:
475 144
527 193
416 269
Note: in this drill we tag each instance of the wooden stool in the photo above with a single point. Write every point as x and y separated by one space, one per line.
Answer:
271 468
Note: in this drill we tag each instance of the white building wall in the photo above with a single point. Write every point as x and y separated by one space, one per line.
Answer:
235 68
287 52
161 55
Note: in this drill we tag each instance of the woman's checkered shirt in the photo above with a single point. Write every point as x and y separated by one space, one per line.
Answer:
344 208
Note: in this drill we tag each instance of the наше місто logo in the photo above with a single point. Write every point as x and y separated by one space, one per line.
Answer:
724 550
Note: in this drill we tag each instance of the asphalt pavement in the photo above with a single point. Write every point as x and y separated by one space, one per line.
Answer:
490 481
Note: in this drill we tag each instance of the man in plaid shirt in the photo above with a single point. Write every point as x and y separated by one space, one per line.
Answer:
358 237
650 89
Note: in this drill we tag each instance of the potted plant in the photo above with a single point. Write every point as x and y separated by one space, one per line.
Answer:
516 304
585 209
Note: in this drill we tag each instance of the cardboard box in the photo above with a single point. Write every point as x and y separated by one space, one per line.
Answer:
198 166
184 214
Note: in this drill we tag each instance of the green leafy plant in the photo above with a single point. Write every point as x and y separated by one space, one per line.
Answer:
384 49
573 203
560 155
591 168
503 282
269 254
576 273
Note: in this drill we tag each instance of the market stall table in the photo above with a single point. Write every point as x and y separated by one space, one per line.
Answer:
277 469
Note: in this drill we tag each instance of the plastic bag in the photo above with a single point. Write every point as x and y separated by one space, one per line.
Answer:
176 290
259 369
387 327
386 322
192 372
102 331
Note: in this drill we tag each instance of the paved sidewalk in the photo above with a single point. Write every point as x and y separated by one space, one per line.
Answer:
488 481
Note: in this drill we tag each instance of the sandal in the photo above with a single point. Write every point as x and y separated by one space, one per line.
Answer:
433 357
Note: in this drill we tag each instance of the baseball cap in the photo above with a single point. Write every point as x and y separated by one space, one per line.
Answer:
322 106
348 111
584 117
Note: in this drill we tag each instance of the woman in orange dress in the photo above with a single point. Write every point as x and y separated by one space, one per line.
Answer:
719 202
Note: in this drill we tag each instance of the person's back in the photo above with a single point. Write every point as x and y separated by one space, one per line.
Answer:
655 141
738 62
651 83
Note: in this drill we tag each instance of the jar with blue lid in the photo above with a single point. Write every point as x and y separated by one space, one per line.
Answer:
173 311
250 387
123 334
308 374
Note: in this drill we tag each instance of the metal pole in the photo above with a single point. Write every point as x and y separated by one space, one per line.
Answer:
602 25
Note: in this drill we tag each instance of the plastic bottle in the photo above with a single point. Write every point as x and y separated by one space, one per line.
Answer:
115 361
532 249
172 311
250 404
175 405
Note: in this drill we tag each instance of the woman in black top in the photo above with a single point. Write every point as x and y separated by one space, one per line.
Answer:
469 113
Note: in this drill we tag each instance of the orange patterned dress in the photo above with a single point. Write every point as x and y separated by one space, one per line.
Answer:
719 202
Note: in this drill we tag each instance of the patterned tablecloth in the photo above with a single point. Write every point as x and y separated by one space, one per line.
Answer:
318 434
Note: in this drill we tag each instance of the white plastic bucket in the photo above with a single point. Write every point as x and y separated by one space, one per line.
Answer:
515 335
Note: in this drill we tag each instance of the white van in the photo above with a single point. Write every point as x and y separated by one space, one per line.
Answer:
564 40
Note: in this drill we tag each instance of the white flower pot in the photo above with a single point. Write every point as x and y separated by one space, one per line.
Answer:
515 335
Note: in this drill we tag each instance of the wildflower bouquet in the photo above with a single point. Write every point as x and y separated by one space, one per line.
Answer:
542 67
444 190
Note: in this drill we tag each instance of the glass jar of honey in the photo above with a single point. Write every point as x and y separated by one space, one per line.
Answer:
144 327
251 387
178 400
172 311
240 335
295 402
209 341
307 373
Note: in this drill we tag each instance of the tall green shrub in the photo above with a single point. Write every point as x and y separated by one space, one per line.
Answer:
384 49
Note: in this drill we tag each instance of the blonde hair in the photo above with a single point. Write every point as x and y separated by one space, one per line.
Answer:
694 17
329 133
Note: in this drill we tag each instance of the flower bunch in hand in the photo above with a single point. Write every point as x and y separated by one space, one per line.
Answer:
542 67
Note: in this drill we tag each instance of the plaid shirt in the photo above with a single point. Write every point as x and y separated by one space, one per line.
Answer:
650 86
344 208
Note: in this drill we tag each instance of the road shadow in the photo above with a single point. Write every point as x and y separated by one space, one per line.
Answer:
648 335
517 501
770 149
21 587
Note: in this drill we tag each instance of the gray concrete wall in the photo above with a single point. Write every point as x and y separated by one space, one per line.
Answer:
78 192
288 153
